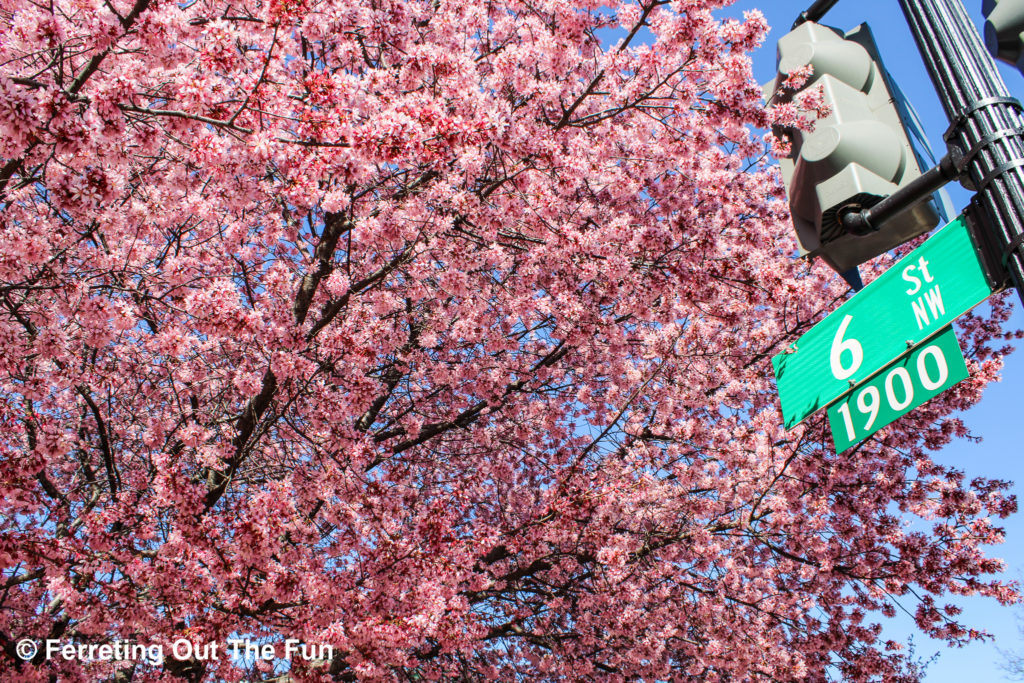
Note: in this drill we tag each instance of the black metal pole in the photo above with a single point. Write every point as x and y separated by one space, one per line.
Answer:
986 133
920 188
815 12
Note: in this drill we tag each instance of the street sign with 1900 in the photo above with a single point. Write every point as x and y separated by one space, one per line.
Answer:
915 378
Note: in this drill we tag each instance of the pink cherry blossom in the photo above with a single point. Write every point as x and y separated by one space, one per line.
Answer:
437 333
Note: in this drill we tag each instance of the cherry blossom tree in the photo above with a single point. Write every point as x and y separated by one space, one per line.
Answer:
436 332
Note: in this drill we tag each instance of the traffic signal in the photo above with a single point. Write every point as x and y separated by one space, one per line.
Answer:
854 157
1004 30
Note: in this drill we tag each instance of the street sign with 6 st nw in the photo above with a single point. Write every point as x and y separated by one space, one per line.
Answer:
925 291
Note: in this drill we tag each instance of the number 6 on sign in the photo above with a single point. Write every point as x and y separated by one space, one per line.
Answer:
839 347
909 382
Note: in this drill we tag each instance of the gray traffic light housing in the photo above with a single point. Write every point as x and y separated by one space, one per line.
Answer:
853 158
1004 30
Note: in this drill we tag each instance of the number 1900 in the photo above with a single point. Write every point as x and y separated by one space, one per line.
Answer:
911 381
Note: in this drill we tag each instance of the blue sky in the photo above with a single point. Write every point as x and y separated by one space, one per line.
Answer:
999 418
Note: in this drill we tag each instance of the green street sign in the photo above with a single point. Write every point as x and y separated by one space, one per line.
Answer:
925 291
914 379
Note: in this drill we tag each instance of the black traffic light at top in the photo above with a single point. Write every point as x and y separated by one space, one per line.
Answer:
853 158
1004 25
